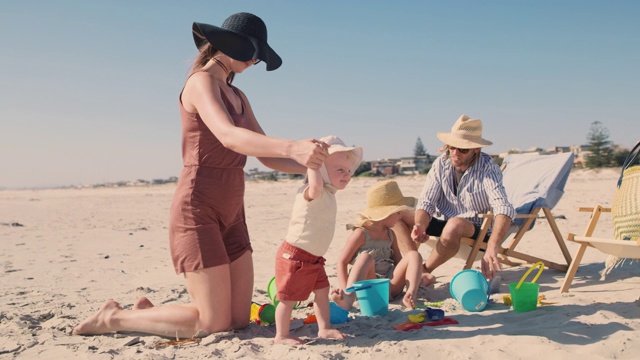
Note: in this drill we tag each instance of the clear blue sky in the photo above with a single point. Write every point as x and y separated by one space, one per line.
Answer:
89 89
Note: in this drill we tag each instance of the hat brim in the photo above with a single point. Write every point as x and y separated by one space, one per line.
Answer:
383 212
236 45
463 143
356 150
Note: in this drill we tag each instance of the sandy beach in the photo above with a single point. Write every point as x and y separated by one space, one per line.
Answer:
63 252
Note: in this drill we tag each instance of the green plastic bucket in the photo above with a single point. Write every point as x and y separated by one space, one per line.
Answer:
469 287
373 296
272 291
524 295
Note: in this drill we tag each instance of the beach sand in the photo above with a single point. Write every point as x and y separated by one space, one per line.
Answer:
77 248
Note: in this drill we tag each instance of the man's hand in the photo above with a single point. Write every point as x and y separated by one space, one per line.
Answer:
490 264
419 234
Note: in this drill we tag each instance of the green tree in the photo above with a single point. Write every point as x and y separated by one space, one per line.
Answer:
619 156
362 168
599 145
419 149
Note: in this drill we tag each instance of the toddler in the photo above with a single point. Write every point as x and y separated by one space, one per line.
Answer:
299 260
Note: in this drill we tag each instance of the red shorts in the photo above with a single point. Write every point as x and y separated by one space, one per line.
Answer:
298 273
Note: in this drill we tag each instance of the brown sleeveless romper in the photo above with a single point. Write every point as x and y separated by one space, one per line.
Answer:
207 224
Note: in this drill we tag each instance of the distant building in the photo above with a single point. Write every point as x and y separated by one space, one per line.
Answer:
414 164
559 149
581 153
384 167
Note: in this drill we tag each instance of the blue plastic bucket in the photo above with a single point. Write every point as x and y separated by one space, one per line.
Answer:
338 314
373 296
469 288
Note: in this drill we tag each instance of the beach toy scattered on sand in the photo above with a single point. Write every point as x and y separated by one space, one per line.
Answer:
524 295
417 318
469 287
428 314
373 296
406 326
506 299
433 304
254 312
310 319
434 314
338 314
267 314
263 314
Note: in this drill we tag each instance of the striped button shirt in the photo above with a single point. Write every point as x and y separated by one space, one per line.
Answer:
480 190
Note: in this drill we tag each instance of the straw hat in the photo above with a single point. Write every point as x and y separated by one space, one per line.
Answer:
242 36
336 145
385 198
466 133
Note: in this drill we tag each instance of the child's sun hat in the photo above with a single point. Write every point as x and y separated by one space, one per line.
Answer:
385 198
337 145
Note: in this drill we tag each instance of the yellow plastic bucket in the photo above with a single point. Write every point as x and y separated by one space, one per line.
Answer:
524 295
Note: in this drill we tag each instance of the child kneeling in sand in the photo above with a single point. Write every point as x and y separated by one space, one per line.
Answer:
372 249
299 262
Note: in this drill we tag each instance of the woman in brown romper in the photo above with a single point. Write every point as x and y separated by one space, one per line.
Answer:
208 234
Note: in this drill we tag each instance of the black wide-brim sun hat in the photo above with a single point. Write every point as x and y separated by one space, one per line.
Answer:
242 36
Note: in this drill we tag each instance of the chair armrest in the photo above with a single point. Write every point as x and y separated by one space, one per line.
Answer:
590 209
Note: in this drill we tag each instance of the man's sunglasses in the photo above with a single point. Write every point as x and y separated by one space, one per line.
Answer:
462 151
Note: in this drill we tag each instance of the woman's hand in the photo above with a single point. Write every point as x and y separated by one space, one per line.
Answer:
310 152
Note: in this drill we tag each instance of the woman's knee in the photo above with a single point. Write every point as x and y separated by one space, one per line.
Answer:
215 324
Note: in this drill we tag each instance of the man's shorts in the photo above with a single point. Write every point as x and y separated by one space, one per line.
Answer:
298 273
436 225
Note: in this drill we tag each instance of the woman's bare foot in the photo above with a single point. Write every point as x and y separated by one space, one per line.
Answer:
331 334
427 279
343 299
288 340
142 303
98 323
408 301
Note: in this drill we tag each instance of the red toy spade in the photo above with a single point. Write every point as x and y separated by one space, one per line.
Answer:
407 326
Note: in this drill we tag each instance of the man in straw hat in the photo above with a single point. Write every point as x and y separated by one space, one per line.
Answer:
462 183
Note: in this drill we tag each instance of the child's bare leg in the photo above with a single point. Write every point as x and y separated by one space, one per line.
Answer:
408 300
323 315
408 273
414 277
363 268
283 319
343 299
142 303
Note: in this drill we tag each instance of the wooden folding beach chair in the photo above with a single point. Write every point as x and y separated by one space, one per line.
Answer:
619 248
625 243
533 183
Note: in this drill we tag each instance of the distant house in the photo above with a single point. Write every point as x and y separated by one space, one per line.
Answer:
384 167
559 149
414 164
581 153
